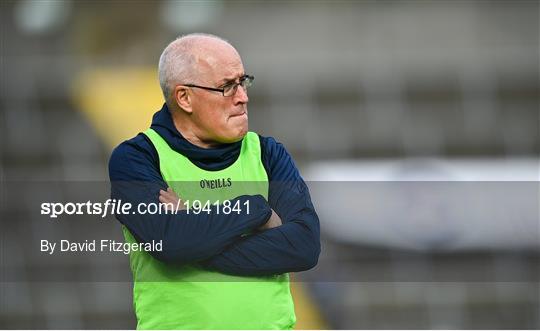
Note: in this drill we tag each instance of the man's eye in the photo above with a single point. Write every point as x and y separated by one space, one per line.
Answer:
228 85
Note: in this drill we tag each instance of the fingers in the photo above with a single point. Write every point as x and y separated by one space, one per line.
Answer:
169 192
166 199
169 204
170 199
167 195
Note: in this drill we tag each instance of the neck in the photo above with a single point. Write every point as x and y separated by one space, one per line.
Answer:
190 132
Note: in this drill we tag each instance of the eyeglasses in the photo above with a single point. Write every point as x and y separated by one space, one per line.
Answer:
229 89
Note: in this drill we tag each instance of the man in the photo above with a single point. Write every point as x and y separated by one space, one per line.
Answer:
216 270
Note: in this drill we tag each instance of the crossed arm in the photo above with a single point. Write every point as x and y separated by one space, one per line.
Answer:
285 243
294 246
170 198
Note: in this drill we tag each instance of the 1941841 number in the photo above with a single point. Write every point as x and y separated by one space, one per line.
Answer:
224 207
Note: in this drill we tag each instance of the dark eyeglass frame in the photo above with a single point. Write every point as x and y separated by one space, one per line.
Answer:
244 81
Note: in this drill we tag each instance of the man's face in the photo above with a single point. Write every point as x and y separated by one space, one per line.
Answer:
220 119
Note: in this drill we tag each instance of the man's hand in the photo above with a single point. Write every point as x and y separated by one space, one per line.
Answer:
171 200
273 222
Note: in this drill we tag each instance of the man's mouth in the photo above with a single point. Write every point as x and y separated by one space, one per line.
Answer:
238 114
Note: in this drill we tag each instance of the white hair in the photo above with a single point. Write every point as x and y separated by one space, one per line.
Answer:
177 62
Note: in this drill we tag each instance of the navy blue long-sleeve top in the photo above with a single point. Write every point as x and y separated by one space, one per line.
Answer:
214 241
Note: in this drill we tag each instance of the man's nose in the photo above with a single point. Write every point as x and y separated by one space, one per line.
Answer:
240 96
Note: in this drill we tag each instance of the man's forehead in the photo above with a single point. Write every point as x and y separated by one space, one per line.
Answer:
219 68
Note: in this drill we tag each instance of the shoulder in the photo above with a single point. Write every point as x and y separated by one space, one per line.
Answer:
271 147
133 159
276 159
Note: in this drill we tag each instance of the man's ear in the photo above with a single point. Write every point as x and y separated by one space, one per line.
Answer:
182 97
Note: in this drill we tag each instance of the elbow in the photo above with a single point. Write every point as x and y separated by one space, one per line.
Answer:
168 255
315 251
162 256
311 258
173 253
309 263
313 240
314 257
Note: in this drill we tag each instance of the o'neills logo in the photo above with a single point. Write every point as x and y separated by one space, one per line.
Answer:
215 183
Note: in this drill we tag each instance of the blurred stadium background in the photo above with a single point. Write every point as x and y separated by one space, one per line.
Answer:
379 91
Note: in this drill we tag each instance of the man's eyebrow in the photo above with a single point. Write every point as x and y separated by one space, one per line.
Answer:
225 81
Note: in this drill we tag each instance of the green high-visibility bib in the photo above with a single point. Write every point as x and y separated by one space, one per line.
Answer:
188 297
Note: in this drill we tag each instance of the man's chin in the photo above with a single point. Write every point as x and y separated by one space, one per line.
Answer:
241 135
235 137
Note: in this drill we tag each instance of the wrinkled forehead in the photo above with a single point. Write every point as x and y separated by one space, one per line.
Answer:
217 62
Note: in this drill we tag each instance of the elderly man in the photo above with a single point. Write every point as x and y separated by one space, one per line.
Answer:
224 266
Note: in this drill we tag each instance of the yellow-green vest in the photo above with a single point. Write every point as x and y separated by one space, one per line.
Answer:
189 297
